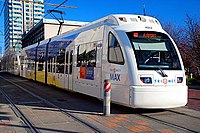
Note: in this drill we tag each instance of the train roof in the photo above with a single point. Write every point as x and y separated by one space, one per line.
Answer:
114 20
117 20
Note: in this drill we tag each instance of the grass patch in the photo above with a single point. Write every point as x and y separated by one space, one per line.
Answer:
192 81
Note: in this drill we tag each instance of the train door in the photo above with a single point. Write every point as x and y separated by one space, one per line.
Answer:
59 72
49 70
53 70
23 66
68 68
51 79
87 73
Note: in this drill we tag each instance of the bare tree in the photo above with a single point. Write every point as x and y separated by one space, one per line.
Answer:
188 41
178 34
193 39
175 32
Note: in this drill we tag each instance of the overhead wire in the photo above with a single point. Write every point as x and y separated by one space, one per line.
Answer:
44 15
2 8
55 8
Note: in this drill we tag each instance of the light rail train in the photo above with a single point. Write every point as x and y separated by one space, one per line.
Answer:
133 51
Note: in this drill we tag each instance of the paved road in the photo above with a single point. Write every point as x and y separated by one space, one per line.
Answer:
194 99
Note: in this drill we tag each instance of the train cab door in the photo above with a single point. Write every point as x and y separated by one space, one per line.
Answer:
59 69
68 68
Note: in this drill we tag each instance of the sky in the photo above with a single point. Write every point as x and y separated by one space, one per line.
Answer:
173 11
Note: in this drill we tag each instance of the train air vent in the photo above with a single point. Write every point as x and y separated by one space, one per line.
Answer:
151 21
142 19
122 19
133 19
157 22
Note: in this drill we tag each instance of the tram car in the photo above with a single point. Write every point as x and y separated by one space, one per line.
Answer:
11 63
133 51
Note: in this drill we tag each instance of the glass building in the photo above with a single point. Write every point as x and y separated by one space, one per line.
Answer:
19 17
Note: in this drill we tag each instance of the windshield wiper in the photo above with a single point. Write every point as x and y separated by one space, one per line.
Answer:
151 55
163 74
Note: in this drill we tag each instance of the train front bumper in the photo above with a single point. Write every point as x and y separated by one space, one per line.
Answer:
158 97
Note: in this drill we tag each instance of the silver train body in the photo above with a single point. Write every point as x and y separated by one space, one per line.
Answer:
139 58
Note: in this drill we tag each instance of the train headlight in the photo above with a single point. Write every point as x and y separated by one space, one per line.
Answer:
146 80
179 79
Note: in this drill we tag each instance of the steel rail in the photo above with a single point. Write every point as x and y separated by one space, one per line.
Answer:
64 111
176 112
167 123
19 113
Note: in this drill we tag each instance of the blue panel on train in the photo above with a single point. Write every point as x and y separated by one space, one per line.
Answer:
90 73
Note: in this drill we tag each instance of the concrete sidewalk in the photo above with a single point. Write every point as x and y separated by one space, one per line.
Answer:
9 122
116 123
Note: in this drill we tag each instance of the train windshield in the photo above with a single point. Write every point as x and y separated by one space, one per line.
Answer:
154 51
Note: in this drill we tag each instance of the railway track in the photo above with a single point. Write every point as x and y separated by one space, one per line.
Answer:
178 119
29 126
27 122
169 123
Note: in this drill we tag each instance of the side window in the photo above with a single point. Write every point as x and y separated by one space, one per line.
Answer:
70 62
30 64
91 52
66 64
114 50
81 55
53 64
86 55
49 65
60 61
41 61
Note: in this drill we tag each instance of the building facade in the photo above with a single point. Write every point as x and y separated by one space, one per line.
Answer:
48 28
19 17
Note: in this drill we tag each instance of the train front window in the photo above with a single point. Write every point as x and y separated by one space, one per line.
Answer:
154 50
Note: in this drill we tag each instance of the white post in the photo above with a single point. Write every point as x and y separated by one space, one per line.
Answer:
106 100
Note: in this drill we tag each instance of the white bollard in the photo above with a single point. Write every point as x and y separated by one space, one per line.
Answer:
106 100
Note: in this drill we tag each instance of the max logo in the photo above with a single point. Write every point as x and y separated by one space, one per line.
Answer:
115 77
